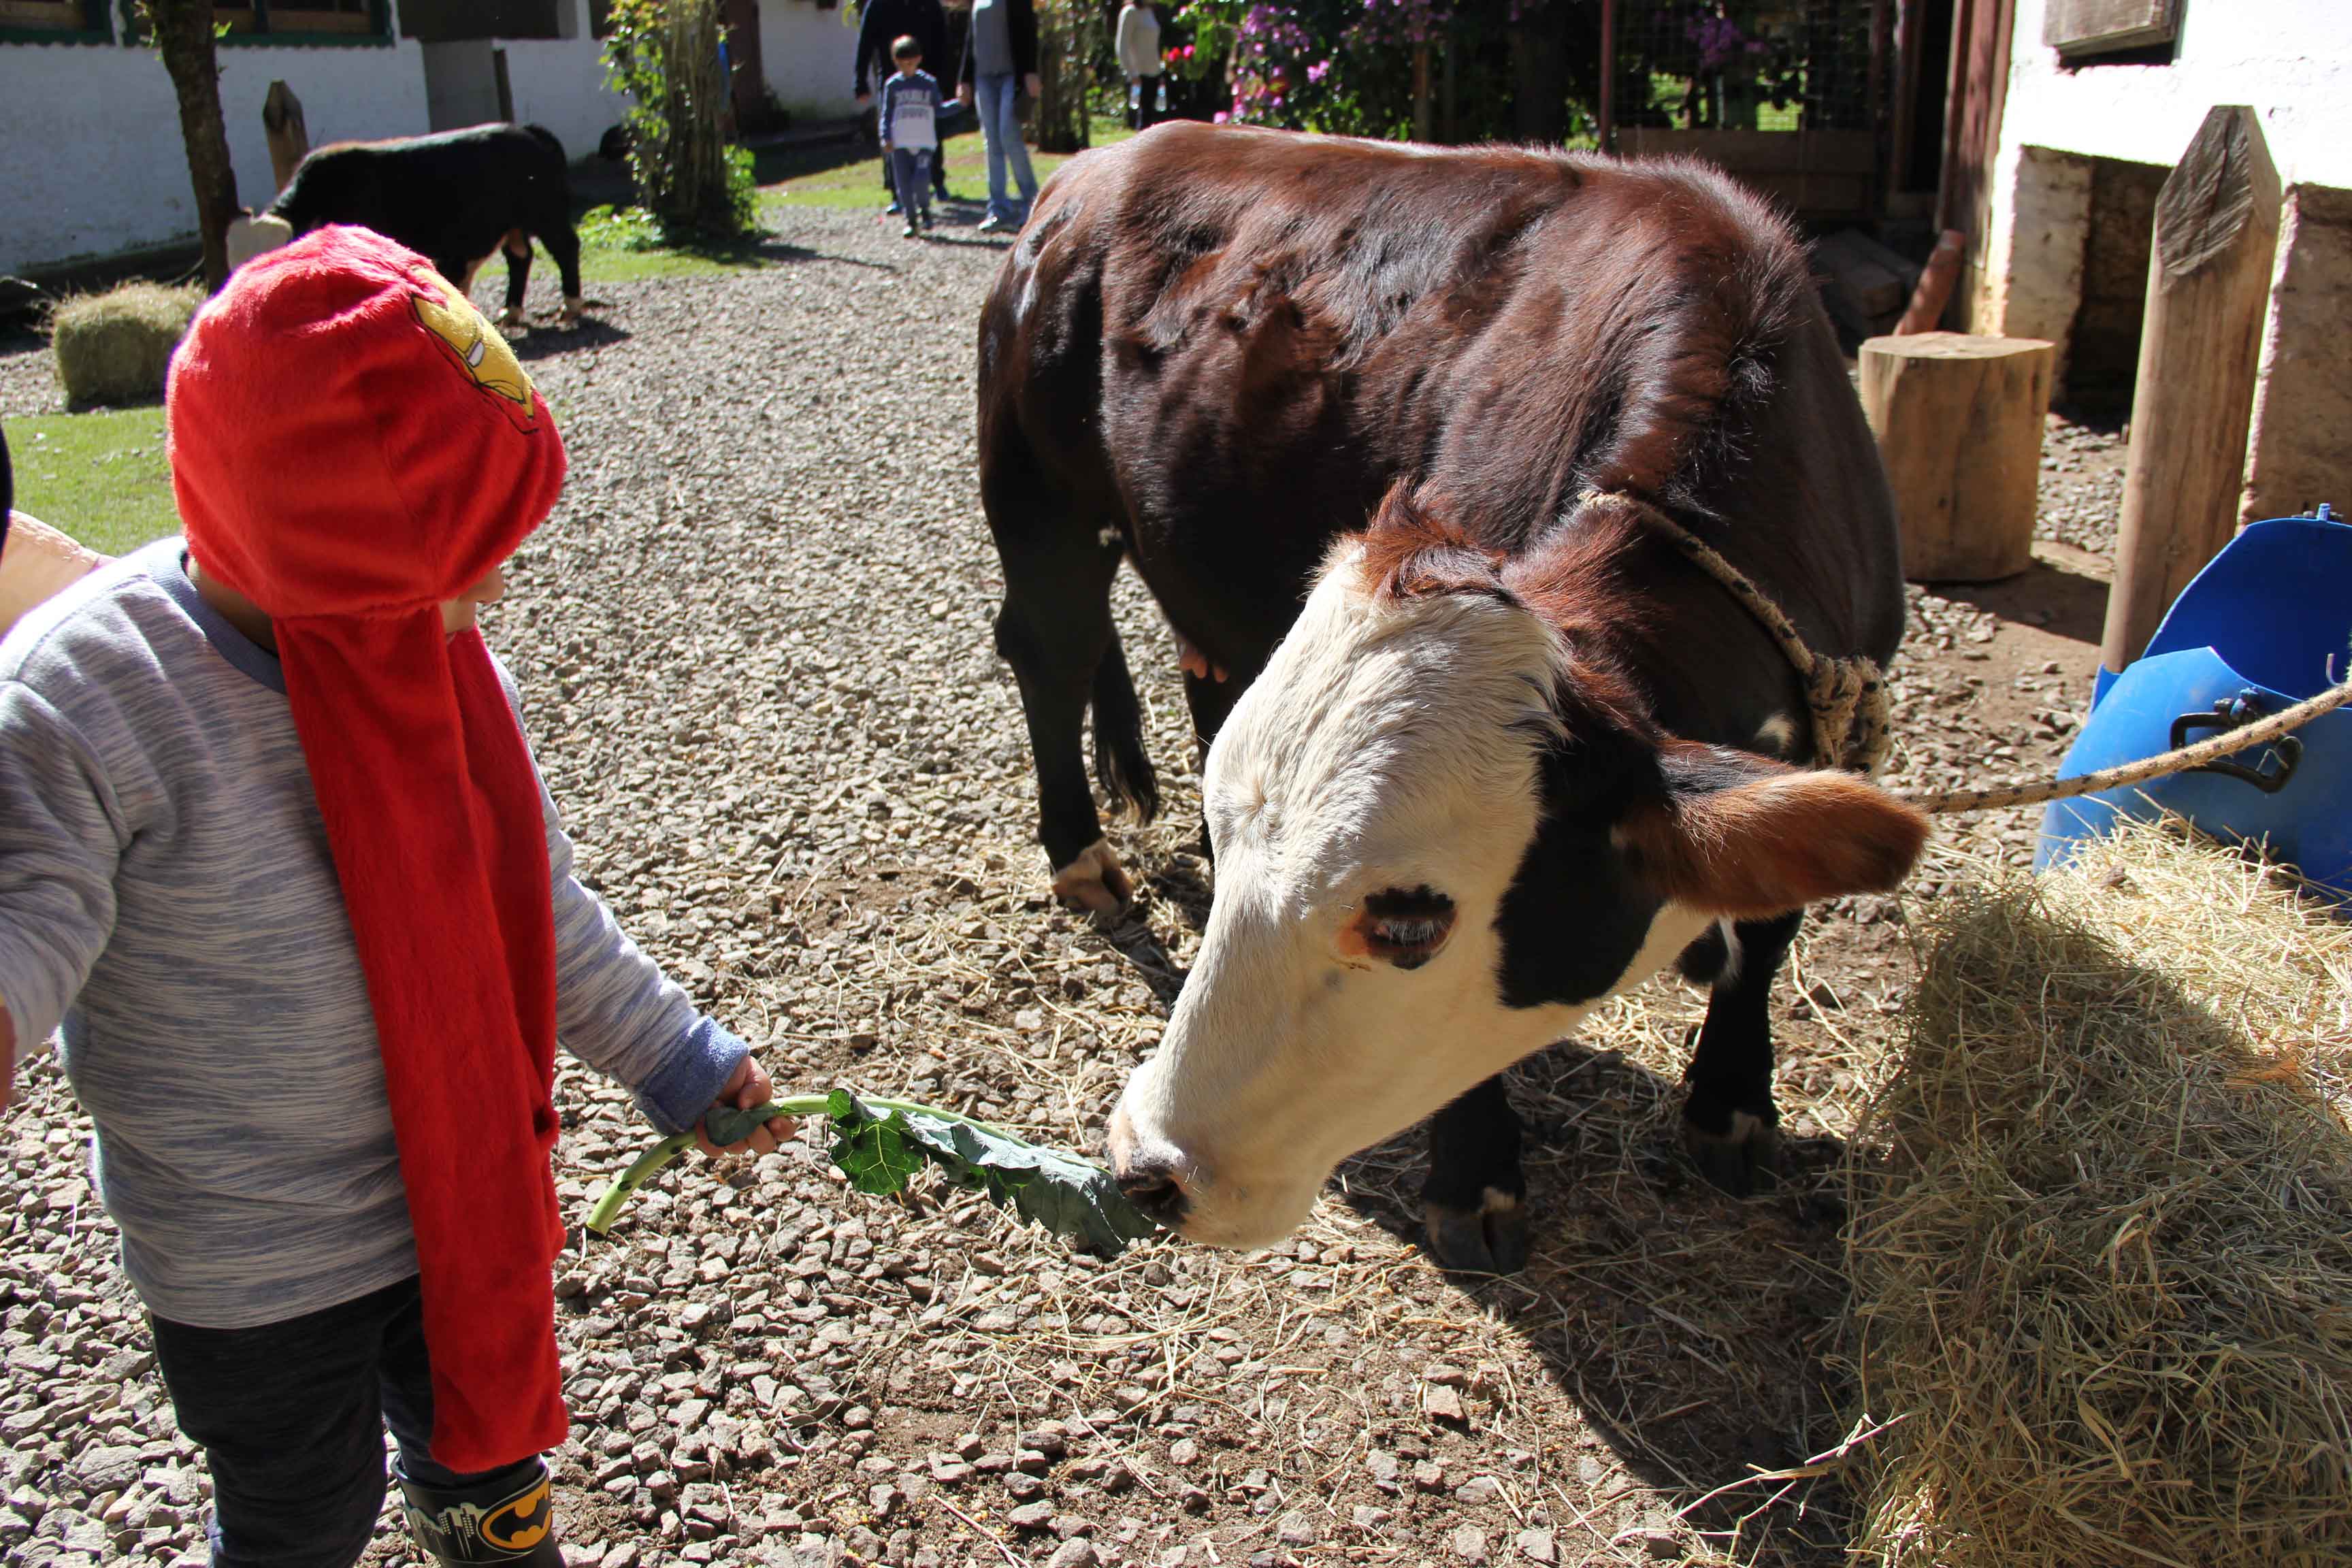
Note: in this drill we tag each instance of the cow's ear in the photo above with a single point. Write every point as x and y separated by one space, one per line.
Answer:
1736 834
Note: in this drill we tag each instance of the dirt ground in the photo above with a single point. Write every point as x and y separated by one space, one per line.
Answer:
754 650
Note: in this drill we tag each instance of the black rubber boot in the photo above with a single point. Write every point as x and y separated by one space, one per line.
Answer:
508 1517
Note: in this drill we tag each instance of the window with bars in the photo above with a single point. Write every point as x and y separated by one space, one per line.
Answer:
53 17
265 18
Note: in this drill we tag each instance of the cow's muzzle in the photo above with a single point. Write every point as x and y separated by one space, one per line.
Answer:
1152 1175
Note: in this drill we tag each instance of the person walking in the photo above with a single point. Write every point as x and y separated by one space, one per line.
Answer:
910 125
1000 61
1139 59
880 24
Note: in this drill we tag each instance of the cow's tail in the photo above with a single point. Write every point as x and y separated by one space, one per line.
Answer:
1121 766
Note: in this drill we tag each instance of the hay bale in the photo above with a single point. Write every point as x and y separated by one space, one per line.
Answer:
114 347
2104 1281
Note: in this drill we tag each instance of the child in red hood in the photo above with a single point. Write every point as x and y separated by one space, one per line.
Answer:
274 852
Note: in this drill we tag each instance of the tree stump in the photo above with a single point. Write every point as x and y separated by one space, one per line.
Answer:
1958 420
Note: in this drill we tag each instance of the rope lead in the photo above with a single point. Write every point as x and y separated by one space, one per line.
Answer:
1854 711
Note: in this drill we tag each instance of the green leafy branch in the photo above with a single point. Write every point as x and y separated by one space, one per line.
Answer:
880 1146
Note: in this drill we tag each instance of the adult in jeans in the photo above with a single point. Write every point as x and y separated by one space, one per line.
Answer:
1000 61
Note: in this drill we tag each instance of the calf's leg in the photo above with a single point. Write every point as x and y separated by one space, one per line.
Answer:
1473 1203
517 245
1730 1122
563 243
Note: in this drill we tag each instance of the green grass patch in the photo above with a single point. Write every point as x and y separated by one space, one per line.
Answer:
619 245
852 181
100 478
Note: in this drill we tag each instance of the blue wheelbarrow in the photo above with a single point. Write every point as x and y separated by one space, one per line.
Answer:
2265 624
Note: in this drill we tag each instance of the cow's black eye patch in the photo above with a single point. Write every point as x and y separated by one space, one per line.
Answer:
1405 928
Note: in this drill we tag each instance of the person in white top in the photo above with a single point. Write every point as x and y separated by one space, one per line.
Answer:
1138 59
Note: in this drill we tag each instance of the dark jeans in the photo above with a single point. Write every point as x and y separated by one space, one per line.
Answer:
291 1419
910 170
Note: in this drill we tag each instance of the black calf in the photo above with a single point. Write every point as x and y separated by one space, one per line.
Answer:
456 197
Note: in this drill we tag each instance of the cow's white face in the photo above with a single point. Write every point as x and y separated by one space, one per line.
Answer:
1370 799
1441 839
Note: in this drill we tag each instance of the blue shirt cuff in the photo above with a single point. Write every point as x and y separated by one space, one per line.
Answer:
689 1080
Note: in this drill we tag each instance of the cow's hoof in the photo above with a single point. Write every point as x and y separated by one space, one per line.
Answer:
567 317
1739 1161
513 322
1489 1239
1095 881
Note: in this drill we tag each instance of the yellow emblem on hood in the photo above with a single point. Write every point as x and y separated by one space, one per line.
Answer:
477 343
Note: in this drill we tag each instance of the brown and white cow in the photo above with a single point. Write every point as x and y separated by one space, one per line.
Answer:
1504 752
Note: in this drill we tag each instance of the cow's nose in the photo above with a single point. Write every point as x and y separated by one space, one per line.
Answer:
1148 1172
1151 1185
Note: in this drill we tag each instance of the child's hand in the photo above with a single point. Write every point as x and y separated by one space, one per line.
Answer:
747 1086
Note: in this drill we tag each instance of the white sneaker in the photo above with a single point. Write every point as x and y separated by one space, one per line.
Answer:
992 224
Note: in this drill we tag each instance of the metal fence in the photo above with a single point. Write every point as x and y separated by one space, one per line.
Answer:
1748 65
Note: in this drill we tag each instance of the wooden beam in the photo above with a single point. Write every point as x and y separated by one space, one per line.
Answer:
1421 92
1608 110
2209 276
2075 27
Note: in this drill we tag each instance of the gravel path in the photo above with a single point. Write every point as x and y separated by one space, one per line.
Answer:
753 644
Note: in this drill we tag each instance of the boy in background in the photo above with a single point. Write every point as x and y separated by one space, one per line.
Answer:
910 136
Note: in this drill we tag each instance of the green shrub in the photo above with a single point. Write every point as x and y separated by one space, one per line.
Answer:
664 55
113 348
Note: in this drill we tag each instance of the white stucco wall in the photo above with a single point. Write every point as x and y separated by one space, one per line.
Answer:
560 83
806 54
95 161
2290 59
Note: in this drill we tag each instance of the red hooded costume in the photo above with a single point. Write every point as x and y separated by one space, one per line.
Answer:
351 445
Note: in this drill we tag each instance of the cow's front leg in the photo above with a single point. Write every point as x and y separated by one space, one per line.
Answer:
1473 1204
1729 1124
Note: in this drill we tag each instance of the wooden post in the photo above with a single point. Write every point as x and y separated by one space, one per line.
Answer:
2209 276
1607 111
1421 92
290 139
1959 421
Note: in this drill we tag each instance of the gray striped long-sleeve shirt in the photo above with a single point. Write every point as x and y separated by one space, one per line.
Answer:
166 894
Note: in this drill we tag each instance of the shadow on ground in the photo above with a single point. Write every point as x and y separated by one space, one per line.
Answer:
1696 1334
545 338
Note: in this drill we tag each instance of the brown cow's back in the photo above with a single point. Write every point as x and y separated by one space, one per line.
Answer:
1239 338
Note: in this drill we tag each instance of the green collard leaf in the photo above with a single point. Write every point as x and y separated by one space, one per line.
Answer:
873 1152
879 1146
1069 1196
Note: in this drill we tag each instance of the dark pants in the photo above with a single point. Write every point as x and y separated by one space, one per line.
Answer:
910 168
291 1419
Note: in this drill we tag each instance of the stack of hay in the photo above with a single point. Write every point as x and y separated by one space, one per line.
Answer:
114 347
2104 1285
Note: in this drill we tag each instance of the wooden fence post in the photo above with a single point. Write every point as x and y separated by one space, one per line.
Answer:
290 139
2207 284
